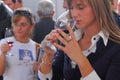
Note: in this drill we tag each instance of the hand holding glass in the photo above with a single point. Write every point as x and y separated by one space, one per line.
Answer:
62 22
9 33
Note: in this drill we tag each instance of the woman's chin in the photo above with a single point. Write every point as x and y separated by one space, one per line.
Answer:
79 26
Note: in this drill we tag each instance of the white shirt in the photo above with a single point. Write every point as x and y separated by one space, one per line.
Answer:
19 66
93 75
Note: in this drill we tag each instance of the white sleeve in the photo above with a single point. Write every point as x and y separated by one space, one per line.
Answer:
92 76
45 76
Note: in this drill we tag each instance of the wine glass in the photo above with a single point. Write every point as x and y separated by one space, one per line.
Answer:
64 20
61 23
8 34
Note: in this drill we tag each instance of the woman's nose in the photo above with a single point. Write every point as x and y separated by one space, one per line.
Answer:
74 13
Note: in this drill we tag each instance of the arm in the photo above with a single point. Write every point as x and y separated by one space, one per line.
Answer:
52 62
3 51
46 64
2 63
56 71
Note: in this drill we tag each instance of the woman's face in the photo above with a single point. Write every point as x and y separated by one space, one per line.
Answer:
22 27
115 4
83 14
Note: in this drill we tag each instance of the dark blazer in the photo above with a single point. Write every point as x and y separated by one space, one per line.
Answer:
5 19
105 61
1 77
42 28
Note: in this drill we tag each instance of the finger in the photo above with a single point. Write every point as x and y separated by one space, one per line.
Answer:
59 46
60 38
5 48
51 36
71 33
64 35
48 50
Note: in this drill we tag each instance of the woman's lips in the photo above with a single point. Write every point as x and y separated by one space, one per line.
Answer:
78 21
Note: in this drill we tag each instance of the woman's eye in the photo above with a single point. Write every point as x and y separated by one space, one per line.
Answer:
71 8
80 7
23 25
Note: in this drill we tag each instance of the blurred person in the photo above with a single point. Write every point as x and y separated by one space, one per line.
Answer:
18 4
22 61
116 15
65 6
46 9
118 7
10 3
115 4
98 45
5 18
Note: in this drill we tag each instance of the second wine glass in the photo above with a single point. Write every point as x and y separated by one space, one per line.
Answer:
8 34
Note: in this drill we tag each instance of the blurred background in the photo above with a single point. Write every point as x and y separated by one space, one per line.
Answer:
32 4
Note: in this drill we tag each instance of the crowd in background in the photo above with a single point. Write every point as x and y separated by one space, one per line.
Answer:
14 4
24 29
37 32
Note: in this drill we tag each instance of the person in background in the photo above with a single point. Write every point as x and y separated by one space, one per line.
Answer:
65 6
17 60
116 7
98 45
5 18
119 7
18 4
10 3
46 9
114 4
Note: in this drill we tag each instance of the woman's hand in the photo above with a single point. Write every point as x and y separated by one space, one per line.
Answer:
51 36
71 48
36 66
48 55
5 48
47 59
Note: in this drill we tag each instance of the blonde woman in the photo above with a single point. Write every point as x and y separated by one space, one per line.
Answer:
95 56
20 64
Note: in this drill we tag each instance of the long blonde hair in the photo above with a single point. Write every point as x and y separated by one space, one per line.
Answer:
104 16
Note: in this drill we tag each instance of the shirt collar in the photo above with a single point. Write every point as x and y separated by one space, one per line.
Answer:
78 35
104 37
